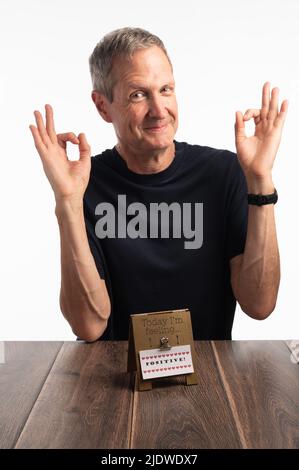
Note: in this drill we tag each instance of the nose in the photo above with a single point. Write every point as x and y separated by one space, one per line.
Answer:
157 108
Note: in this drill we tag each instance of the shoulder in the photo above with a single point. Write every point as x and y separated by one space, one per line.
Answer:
203 151
102 158
213 158
103 165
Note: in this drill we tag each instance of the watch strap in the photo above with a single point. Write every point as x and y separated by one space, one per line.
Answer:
263 199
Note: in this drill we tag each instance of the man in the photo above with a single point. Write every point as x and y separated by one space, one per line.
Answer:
155 224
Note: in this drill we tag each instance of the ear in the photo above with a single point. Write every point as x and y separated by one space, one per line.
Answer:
102 105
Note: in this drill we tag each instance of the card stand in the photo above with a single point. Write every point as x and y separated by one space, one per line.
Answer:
142 338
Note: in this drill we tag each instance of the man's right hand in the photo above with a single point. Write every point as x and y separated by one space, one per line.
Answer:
68 179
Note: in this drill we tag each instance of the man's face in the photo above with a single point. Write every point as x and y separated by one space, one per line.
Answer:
144 109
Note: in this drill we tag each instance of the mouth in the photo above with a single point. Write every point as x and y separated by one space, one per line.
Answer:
156 129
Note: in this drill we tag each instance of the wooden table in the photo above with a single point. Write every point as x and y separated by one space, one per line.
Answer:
77 396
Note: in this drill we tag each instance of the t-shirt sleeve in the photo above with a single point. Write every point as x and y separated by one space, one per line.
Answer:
237 211
95 247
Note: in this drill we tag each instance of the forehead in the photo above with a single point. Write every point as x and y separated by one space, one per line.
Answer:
147 66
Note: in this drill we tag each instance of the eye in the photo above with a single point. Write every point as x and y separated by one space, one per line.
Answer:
167 89
137 95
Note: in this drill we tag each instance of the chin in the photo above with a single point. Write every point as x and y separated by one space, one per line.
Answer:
159 142
158 146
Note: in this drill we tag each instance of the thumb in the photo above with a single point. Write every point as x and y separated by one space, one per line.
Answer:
239 127
84 147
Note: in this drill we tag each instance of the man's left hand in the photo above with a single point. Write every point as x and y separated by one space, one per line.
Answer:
257 153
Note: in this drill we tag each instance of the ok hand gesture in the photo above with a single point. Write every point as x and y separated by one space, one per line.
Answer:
257 153
68 178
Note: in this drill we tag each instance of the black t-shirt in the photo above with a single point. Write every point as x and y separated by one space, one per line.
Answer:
171 250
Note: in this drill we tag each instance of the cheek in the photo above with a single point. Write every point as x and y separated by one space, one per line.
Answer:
136 118
174 107
124 120
131 122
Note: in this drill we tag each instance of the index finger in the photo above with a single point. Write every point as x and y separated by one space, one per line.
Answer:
50 123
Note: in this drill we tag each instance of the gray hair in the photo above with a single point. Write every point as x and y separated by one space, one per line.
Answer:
121 42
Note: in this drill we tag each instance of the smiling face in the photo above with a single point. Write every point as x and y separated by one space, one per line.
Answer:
144 109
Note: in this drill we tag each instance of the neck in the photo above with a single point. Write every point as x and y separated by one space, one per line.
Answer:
146 162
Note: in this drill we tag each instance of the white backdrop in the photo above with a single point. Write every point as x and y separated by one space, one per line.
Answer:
222 52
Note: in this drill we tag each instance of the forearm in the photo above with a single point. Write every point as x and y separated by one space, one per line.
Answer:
84 299
255 275
259 273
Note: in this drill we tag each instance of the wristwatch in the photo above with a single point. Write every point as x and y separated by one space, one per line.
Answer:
262 199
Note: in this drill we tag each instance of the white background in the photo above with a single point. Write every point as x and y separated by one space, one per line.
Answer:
222 52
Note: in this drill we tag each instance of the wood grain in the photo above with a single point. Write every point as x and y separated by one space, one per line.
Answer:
262 384
22 376
186 417
86 401
78 395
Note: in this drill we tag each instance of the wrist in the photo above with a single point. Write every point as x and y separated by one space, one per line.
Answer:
69 210
260 185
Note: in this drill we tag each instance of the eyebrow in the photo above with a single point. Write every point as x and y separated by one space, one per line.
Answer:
140 86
